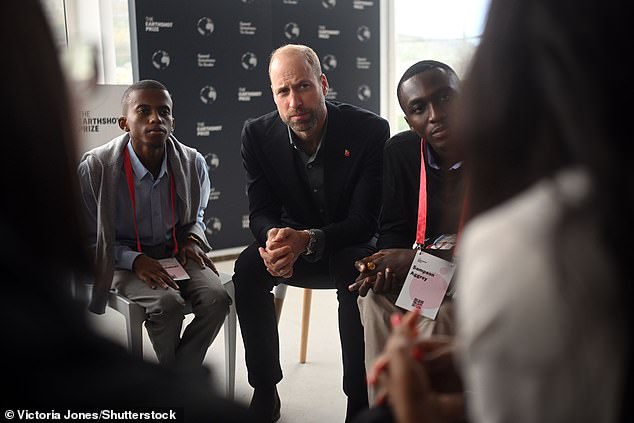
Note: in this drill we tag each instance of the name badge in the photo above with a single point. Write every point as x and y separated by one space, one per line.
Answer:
174 269
426 284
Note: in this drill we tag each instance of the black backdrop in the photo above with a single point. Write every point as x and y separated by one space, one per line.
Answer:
213 57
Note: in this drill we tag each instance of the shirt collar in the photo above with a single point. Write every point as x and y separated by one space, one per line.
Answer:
431 161
291 139
139 170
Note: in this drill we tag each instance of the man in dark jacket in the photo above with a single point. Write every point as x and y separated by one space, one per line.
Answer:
314 175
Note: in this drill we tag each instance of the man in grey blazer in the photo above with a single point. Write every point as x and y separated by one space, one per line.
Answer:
145 194
314 175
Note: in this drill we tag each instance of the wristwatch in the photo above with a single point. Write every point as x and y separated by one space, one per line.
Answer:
312 241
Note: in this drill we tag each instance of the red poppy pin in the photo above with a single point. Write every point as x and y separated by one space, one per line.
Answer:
346 152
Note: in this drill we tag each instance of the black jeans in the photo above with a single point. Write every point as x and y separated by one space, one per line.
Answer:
256 314
380 414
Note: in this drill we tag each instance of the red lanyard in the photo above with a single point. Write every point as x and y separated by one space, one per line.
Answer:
128 174
421 226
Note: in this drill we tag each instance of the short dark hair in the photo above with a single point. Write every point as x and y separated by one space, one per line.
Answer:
420 67
145 84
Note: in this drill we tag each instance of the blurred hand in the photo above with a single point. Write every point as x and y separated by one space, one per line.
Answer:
418 377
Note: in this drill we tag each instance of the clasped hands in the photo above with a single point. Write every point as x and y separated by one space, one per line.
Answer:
417 377
151 272
384 272
283 248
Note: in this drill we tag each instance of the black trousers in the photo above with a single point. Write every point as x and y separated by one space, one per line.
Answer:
379 414
256 314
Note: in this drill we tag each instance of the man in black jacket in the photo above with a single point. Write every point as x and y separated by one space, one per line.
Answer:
314 175
426 93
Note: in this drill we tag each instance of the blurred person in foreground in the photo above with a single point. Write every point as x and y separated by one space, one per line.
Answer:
544 320
52 358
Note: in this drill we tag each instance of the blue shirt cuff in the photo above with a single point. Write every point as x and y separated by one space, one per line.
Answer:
125 259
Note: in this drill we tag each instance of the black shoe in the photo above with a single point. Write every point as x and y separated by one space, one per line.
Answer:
277 407
265 405
354 408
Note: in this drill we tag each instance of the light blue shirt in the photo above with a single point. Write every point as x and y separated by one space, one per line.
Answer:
153 209
431 161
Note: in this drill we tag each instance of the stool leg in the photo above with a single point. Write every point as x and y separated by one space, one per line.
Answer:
230 343
134 326
230 352
308 294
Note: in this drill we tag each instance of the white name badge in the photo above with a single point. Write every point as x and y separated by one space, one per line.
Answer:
426 284
174 269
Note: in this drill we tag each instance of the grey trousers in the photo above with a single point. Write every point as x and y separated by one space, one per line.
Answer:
164 310
375 313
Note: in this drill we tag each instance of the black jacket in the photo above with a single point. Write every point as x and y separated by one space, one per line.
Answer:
353 158
400 195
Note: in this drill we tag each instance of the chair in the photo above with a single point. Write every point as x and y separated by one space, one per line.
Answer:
279 292
134 316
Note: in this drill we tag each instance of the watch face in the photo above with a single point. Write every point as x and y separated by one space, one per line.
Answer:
311 242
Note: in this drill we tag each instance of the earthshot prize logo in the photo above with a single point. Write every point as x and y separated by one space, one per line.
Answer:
245 94
213 161
362 4
328 4
152 25
249 60
97 124
205 26
363 33
161 59
213 225
204 130
325 33
329 62
208 94
364 92
291 31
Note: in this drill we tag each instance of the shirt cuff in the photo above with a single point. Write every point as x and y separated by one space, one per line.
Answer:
126 259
